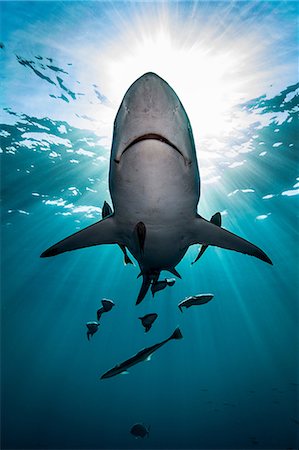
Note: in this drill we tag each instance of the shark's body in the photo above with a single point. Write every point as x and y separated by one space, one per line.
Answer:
155 186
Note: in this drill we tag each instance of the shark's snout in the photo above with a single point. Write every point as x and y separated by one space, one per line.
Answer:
151 110
149 94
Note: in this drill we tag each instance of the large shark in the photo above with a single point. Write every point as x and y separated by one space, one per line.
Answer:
155 187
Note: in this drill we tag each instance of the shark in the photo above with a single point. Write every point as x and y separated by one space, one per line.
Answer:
154 185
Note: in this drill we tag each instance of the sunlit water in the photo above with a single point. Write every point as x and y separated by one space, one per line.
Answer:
232 381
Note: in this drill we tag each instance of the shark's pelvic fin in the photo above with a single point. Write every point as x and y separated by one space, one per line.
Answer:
206 233
103 232
127 259
174 272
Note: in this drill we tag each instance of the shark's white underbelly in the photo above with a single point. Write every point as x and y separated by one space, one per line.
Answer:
153 185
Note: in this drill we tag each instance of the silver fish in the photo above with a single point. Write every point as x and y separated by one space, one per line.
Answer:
200 299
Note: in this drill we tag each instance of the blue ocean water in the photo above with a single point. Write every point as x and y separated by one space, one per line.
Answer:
232 381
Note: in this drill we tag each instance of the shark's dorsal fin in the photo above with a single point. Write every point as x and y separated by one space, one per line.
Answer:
103 232
106 210
205 232
216 219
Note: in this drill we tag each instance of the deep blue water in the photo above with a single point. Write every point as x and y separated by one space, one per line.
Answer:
232 381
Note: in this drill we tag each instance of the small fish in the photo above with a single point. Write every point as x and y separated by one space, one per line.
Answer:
1 45
170 281
160 285
139 430
107 211
148 320
143 355
107 305
254 440
200 299
92 328
216 220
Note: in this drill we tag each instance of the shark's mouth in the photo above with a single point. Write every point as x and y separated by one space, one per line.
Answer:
153 136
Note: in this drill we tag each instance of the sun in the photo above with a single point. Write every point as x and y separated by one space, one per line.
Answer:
210 76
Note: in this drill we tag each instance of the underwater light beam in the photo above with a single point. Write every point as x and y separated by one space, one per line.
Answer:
212 73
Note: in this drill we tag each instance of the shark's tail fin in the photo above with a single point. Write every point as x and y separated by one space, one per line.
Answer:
146 282
177 334
205 232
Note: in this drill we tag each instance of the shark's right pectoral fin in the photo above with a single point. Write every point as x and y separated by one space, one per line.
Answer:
103 232
206 233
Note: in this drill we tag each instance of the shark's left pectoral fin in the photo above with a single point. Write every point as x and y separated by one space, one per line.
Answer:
206 233
103 232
